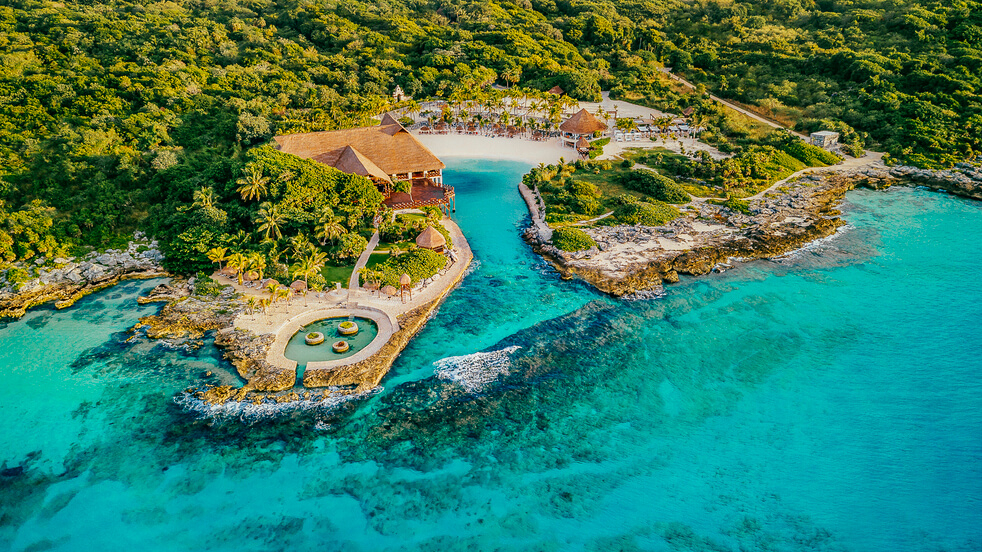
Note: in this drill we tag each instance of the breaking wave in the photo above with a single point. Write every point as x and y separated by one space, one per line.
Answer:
475 372
250 412
812 246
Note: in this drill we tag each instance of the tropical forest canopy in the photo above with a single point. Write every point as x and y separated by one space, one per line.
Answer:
130 114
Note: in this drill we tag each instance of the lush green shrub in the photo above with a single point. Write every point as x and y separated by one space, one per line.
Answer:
655 185
627 163
572 239
853 150
654 213
737 205
204 285
418 263
350 247
812 156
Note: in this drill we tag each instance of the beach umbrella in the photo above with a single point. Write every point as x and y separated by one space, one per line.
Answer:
390 291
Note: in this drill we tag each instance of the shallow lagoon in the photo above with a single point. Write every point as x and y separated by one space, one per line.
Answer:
829 400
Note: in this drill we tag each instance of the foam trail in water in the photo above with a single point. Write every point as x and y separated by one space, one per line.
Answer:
645 294
475 372
250 412
812 245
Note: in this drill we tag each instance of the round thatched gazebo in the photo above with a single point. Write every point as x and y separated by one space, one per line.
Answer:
298 287
432 239
390 291
581 125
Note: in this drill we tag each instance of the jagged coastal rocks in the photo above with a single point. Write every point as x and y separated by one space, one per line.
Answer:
964 179
66 280
632 259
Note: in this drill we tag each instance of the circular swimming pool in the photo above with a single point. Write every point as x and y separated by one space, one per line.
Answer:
297 349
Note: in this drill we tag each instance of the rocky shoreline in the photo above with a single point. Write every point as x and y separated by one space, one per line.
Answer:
187 318
66 280
632 259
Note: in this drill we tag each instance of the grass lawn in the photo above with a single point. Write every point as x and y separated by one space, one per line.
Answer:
337 274
385 246
605 181
376 259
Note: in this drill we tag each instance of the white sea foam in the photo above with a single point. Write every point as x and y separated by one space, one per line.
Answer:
644 294
471 268
812 246
475 372
249 412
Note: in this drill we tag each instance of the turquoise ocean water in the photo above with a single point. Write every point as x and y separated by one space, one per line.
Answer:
828 400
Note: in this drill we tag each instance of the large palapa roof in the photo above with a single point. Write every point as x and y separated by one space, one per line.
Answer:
376 151
582 123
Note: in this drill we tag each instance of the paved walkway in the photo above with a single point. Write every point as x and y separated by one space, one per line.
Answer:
870 159
733 106
354 282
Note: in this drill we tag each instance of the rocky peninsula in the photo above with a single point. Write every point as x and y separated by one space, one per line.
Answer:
66 280
631 259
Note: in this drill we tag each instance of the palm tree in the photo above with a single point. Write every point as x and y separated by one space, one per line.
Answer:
299 244
238 262
308 266
372 276
284 292
217 255
252 185
252 303
204 197
329 228
257 263
270 219
273 289
395 251
413 107
512 74
265 304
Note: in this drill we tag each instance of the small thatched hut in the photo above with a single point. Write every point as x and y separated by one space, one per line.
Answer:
432 239
298 287
583 146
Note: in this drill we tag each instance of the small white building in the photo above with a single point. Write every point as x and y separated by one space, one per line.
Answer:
825 139
398 95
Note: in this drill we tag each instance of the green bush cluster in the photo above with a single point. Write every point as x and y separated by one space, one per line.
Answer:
737 205
810 155
571 239
418 263
655 185
645 213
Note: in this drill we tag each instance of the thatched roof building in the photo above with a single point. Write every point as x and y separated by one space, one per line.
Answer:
583 123
582 145
383 152
431 239
557 90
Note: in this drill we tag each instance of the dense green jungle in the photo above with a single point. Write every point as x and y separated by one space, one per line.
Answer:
130 115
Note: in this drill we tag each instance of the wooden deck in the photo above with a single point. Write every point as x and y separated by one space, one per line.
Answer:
424 194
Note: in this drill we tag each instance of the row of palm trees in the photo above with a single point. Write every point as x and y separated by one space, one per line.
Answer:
309 260
514 105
